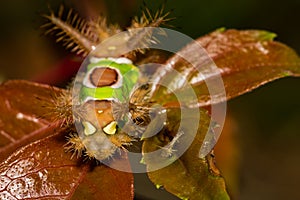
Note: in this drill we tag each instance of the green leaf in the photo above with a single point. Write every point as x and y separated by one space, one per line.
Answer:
189 177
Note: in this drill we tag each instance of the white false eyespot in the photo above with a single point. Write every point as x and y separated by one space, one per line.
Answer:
110 128
89 129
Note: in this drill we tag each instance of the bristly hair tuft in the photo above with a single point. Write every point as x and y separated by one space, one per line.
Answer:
152 19
74 145
144 37
82 36
77 34
59 108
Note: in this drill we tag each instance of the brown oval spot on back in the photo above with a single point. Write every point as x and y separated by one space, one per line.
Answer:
103 76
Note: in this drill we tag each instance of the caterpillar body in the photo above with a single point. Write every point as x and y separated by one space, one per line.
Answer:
106 85
111 111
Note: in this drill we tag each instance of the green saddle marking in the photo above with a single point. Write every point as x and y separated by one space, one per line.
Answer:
130 74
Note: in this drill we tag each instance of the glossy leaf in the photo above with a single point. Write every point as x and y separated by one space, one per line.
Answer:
43 170
32 167
189 177
22 108
246 60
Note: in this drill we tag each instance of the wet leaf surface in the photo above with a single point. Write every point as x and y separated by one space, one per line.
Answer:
246 60
189 177
32 167
21 110
37 168
43 170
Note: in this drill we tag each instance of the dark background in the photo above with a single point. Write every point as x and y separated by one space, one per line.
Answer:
260 157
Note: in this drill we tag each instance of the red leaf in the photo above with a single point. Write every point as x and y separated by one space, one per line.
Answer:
246 60
21 111
39 168
62 72
43 170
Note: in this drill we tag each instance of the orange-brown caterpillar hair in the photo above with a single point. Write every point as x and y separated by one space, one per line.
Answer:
78 34
82 36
